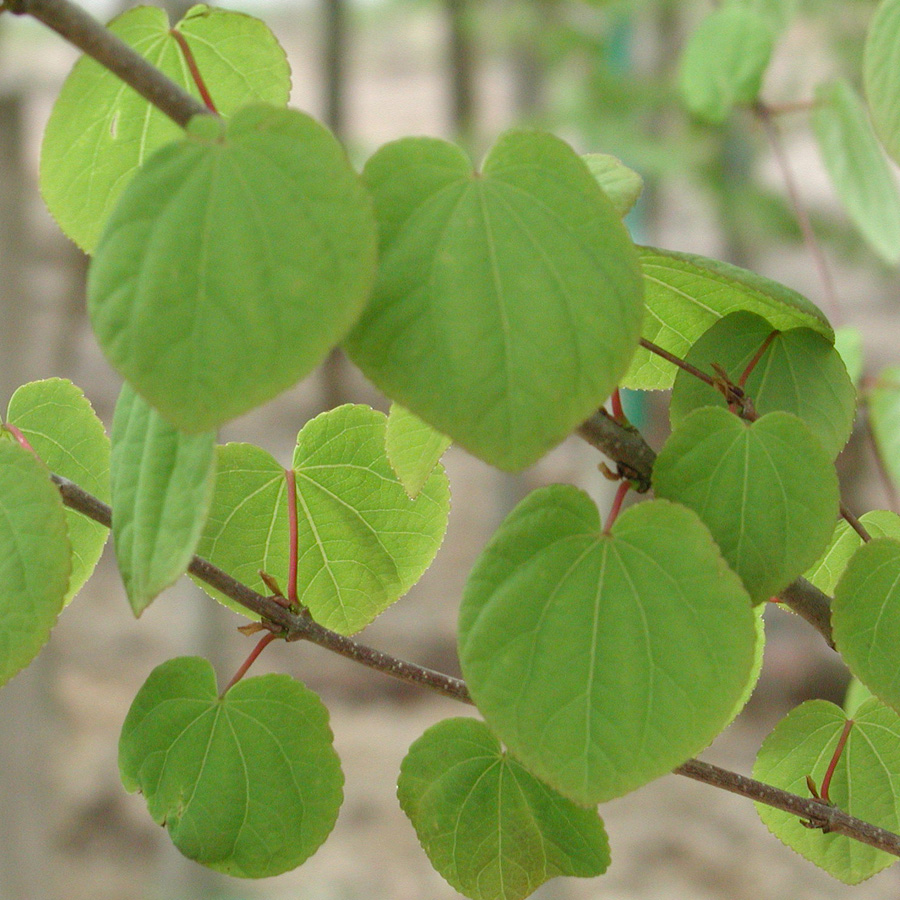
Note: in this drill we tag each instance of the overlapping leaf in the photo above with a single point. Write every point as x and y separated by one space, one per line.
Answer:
799 372
767 491
622 185
884 418
881 61
35 557
686 294
249 783
724 61
100 130
413 447
232 265
162 485
866 782
508 302
362 541
60 424
489 827
604 660
865 617
776 14
857 167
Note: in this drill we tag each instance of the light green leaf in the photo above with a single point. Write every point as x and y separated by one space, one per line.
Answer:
857 694
489 827
162 485
865 617
35 557
849 343
866 782
413 447
363 542
857 167
231 267
248 784
826 573
508 302
100 131
723 63
686 295
884 418
604 660
60 424
777 14
799 372
622 185
767 492
881 62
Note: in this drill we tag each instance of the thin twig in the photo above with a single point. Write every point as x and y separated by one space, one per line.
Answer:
678 361
855 524
86 33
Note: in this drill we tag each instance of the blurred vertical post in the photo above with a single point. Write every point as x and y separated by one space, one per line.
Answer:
461 71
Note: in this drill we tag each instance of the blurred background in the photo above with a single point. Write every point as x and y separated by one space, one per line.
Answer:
602 75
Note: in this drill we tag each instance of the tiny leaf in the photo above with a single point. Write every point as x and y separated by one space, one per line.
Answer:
248 784
489 827
622 185
413 447
162 484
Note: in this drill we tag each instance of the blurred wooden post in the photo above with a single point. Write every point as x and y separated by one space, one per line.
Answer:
461 71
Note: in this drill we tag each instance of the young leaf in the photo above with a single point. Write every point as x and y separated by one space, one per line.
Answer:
622 185
848 342
857 694
884 418
508 302
777 14
232 266
857 167
799 372
865 782
489 827
880 62
685 296
413 447
100 131
826 573
604 660
249 783
35 557
724 61
162 484
767 492
865 617
363 542
60 424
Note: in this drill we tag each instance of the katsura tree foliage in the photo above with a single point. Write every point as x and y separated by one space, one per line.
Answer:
498 304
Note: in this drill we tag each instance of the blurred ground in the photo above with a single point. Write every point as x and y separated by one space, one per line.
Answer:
69 829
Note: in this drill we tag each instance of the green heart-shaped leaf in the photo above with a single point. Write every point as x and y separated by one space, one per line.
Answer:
799 372
162 486
604 660
61 426
865 617
232 266
363 542
686 294
768 492
100 131
866 781
489 827
413 447
249 783
508 302
879 68
35 557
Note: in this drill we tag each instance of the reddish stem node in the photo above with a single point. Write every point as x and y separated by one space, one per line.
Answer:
193 69
621 491
291 480
20 438
261 645
616 403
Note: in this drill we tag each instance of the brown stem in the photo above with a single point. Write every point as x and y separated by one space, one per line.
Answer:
832 765
855 524
616 402
86 33
742 381
678 361
261 645
194 69
621 491
624 444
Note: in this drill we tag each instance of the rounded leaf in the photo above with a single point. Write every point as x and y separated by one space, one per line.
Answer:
162 485
881 61
799 372
232 266
508 302
490 828
100 131
604 660
767 492
413 447
35 557
60 424
866 781
249 783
